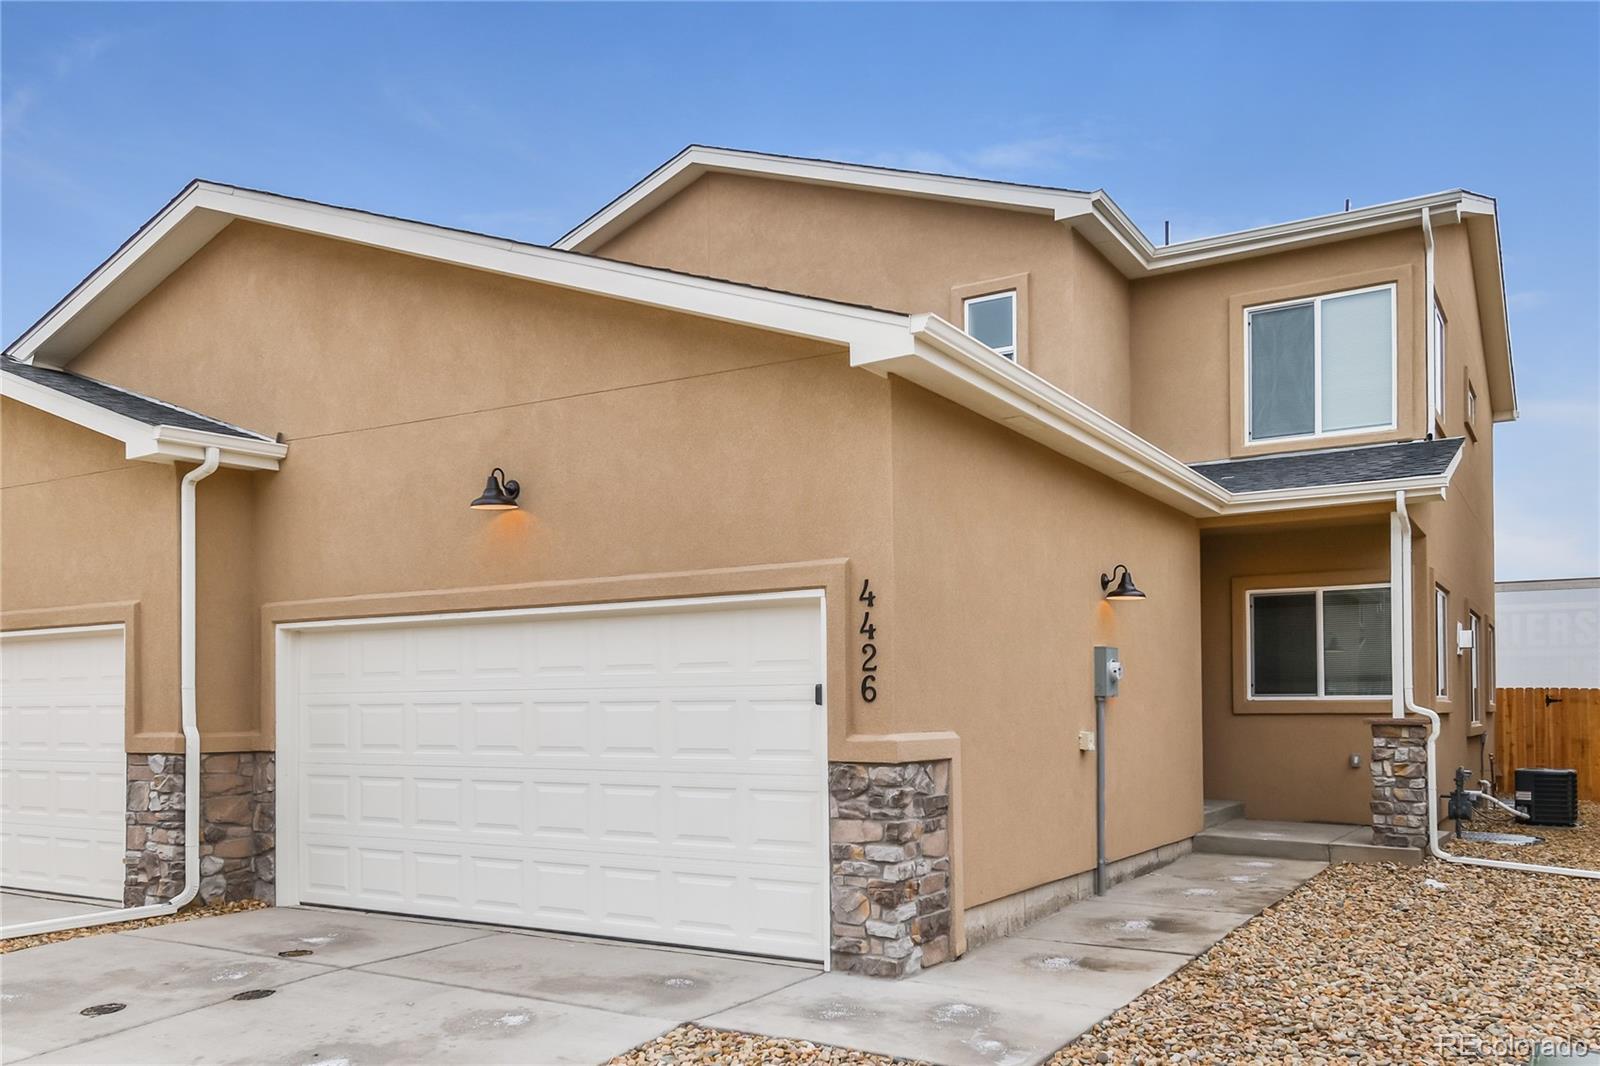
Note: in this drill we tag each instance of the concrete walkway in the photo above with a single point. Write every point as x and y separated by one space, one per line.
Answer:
378 989
19 907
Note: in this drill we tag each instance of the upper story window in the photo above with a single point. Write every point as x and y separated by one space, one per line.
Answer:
1321 366
1472 407
1436 367
1319 643
992 319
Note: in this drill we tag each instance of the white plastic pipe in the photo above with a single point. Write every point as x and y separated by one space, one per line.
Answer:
191 733
1400 565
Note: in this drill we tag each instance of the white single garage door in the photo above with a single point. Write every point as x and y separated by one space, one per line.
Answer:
656 774
63 774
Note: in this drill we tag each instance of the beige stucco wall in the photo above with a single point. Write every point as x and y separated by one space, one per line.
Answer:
1293 764
660 455
1458 550
904 254
89 538
998 548
1188 341
646 442
1283 761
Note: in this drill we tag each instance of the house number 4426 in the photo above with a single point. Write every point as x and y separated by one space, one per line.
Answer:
869 647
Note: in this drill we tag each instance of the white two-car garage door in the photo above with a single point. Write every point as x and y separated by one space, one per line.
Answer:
63 773
654 773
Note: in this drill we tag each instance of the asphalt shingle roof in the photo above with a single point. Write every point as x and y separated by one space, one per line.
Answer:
121 401
1333 466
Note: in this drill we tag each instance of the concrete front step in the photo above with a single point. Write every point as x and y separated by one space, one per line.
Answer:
1317 841
1219 811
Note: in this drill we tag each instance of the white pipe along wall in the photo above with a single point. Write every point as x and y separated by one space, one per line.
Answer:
191 733
1400 564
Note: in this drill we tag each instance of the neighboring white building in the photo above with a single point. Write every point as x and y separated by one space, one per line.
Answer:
1548 633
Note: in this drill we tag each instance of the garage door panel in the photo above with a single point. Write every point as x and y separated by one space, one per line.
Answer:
660 775
63 774
776 730
774 818
752 908
773 645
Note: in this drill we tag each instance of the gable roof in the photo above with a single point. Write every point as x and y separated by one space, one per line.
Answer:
1105 225
151 429
1334 466
921 348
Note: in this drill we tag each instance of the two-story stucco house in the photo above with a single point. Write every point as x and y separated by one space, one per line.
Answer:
784 641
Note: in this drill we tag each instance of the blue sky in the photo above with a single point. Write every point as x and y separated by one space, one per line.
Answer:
522 119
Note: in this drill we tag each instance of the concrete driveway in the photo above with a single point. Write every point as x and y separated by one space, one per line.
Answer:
362 988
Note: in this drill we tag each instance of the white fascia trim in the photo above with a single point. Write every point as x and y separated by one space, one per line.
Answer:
952 364
144 442
1105 223
683 168
197 215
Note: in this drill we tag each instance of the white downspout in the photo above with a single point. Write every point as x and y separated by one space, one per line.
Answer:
1431 342
1400 568
191 733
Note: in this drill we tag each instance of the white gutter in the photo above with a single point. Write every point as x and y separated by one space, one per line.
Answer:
191 733
1405 654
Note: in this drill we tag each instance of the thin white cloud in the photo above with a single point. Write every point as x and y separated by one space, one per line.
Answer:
1530 545
16 107
1034 157
1530 300
81 52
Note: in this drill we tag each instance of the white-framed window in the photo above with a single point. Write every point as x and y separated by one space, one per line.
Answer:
1472 405
1489 664
1441 641
1322 366
1475 668
992 319
1436 369
1319 643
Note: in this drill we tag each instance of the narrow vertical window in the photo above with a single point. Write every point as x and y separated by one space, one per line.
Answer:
992 319
1489 664
1436 368
1475 669
1441 642
1472 405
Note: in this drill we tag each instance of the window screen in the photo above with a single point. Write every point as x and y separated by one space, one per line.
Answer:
1357 382
1282 372
1355 642
1284 644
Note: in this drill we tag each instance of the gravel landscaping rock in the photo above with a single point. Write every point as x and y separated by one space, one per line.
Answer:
17 943
1577 846
1378 963
693 1044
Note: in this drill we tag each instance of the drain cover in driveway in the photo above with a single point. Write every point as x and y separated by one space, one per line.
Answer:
255 993
295 953
101 1008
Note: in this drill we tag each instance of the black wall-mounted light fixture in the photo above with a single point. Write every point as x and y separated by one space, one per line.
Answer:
1125 590
499 493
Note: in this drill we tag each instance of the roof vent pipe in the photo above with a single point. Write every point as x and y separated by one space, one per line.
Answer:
191 732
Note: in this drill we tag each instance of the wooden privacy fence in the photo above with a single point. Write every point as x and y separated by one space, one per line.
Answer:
1555 727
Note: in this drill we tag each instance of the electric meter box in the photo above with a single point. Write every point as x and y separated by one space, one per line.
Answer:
1107 670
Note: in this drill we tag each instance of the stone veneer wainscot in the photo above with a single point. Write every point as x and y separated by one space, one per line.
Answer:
1400 781
890 850
237 827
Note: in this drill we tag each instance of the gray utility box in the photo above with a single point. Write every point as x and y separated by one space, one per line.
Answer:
1107 670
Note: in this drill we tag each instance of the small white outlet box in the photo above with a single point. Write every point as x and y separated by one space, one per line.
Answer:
1085 740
